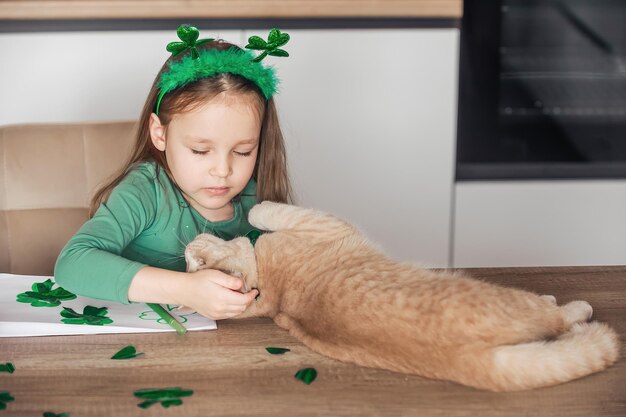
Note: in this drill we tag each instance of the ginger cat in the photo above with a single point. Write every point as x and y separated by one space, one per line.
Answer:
321 280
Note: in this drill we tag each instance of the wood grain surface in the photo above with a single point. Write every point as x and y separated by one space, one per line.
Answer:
232 374
127 9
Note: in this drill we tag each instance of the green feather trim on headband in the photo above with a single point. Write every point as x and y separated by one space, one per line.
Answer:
211 62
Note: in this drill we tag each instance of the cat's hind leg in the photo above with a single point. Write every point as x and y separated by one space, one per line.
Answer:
584 349
576 312
573 312
549 298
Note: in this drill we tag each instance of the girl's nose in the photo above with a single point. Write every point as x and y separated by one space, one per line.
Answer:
221 168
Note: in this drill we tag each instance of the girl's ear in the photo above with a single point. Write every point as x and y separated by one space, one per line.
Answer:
157 132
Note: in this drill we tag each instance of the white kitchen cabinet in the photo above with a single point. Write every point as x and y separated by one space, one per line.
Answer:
540 223
369 120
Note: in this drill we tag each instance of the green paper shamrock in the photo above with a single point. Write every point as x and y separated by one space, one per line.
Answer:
189 37
51 414
306 375
42 295
274 40
7 367
277 350
5 397
165 396
127 353
91 315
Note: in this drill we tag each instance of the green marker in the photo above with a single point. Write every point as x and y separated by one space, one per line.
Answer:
169 319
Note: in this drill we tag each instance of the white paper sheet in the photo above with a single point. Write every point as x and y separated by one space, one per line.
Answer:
22 319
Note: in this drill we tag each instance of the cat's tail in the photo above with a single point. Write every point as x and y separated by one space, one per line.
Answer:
584 349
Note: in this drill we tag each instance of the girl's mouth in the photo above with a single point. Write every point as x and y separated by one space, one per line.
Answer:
217 191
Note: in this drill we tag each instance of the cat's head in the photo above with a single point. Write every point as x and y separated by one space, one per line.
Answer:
193 252
234 257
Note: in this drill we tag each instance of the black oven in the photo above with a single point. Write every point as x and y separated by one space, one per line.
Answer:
542 90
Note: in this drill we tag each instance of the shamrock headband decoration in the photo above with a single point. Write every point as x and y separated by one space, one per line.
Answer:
210 62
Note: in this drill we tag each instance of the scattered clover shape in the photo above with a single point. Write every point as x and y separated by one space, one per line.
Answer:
189 37
152 315
306 375
277 350
166 396
270 47
127 352
42 295
5 397
91 315
7 367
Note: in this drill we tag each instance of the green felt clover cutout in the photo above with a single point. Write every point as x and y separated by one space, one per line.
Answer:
270 47
166 396
42 295
5 397
7 367
306 375
152 315
51 414
127 352
189 37
277 350
91 315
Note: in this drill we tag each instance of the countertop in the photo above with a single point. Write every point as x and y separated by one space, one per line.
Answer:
231 374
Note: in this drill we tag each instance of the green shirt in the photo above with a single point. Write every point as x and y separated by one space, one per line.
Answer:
145 221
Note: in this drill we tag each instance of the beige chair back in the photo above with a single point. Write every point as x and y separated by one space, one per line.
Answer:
49 173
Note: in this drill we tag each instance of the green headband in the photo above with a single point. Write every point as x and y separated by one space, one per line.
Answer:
210 62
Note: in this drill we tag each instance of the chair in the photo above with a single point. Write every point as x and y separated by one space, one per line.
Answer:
49 173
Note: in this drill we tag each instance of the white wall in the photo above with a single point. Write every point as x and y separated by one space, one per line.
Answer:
370 118
80 76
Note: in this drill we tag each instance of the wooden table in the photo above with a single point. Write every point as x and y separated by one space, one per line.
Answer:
232 374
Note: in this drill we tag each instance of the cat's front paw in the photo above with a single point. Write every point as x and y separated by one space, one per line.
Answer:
262 216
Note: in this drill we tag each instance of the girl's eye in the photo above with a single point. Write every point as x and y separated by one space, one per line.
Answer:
244 153
199 152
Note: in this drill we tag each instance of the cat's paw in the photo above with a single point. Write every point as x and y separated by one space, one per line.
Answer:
549 298
262 215
577 312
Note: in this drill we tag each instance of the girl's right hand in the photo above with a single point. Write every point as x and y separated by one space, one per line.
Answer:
215 294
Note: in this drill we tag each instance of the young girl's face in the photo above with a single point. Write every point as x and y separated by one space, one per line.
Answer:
211 152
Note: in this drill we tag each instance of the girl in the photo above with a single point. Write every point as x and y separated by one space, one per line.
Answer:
208 147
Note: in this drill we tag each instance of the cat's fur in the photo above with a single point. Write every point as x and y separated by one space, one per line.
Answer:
321 280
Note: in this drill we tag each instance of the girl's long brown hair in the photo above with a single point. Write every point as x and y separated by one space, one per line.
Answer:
270 171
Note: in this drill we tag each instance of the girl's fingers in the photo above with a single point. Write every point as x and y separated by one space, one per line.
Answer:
237 298
252 294
227 281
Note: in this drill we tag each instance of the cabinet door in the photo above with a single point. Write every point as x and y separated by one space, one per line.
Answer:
540 223
369 119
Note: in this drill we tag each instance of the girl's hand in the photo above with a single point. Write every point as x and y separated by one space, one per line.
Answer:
215 294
